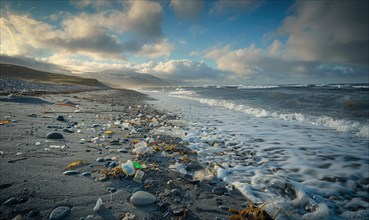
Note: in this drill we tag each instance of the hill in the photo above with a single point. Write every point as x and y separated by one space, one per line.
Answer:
24 73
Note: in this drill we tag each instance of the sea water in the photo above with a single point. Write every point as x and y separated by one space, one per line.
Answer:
303 149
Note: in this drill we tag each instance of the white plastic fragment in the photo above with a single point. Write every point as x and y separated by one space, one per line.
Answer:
98 205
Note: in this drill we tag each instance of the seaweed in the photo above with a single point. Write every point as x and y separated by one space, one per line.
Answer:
250 213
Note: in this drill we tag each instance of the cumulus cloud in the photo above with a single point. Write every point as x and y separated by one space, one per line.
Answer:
230 6
237 61
161 48
333 31
135 29
187 70
187 10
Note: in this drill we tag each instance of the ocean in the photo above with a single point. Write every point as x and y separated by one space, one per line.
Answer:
303 149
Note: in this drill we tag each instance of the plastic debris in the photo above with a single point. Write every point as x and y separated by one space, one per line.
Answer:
128 216
75 164
137 165
138 176
141 148
128 168
98 205
109 132
204 174
4 122
179 167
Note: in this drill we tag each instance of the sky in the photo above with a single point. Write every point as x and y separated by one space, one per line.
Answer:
200 42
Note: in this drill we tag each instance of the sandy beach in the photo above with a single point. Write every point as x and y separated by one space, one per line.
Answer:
100 131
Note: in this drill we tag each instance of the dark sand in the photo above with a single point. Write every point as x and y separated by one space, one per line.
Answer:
31 169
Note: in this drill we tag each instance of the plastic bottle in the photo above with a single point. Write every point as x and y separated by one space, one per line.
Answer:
128 168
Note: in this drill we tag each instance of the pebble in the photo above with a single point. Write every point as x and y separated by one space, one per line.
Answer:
175 192
68 130
95 125
100 159
54 135
142 198
219 190
10 201
70 172
33 115
59 213
223 207
123 151
103 179
113 164
33 213
55 126
111 189
86 174
115 142
60 118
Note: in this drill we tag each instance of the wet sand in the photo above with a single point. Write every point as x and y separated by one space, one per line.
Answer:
32 183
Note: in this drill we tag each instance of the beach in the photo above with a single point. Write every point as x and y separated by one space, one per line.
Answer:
101 131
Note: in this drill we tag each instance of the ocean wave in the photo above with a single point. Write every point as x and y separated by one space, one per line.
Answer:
359 129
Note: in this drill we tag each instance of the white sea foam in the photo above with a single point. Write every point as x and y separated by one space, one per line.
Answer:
357 128
290 160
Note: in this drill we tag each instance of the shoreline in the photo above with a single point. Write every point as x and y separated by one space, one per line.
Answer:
32 169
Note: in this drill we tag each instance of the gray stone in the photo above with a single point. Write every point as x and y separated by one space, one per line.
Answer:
60 118
111 189
59 213
70 172
103 179
10 201
123 151
86 174
219 190
68 130
54 135
142 198
100 159
175 192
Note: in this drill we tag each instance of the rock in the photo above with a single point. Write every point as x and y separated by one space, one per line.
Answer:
95 125
219 191
123 151
113 164
55 126
115 142
224 207
10 202
33 213
68 130
33 115
142 198
60 118
103 179
100 159
86 174
70 172
175 192
54 135
111 189
59 213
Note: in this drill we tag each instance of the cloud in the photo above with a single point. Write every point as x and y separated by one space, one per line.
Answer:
187 70
187 10
237 61
161 48
112 34
260 65
33 63
222 7
328 31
